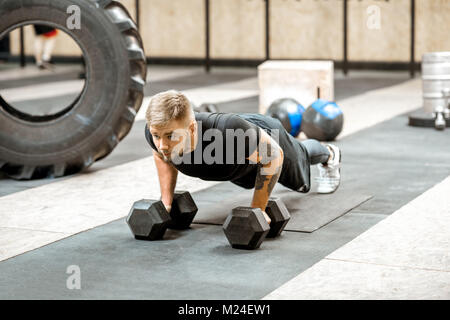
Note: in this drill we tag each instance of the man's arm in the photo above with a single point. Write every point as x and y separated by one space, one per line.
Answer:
270 157
167 175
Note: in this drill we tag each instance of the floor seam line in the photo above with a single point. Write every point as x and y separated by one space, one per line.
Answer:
27 229
387 265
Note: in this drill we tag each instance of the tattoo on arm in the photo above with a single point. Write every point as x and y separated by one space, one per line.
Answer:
261 179
273 181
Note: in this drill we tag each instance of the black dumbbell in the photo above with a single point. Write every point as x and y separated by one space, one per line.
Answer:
183 210
193 106
207 107
246 228
149 219
279 216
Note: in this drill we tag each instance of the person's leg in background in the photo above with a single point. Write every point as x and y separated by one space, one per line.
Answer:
38 46
49 44
43 45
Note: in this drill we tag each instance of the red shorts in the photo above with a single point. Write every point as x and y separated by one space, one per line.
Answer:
50 34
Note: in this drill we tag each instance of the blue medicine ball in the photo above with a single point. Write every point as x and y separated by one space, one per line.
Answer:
323 120
289 112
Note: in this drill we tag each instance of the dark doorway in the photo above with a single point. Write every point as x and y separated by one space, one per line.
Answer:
4 48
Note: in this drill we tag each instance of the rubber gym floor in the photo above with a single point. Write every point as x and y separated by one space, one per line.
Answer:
386 165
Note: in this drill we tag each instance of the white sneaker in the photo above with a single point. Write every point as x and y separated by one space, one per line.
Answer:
330 174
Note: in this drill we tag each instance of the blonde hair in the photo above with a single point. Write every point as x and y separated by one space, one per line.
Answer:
167 106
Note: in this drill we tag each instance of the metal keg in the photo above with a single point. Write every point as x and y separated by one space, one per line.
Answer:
436 79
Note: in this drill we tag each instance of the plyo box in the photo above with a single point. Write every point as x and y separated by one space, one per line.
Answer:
297 79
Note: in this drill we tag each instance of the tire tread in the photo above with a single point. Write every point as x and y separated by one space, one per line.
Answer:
120 17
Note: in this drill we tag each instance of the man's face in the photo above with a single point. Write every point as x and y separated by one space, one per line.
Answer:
172 139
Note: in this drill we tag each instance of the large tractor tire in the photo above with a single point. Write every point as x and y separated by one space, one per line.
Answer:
65 143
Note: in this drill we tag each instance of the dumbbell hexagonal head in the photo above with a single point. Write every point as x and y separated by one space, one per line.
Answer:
148 219
183 210
279 216
246 228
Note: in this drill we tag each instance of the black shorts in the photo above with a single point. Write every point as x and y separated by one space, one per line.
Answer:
41 29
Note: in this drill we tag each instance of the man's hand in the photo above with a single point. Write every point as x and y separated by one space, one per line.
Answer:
168 207
267 217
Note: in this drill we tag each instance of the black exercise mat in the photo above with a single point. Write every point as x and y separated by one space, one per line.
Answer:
309 212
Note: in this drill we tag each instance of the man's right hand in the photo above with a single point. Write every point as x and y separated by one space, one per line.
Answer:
266 216
167 175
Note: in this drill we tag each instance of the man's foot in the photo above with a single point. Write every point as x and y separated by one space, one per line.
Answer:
45 66
330 173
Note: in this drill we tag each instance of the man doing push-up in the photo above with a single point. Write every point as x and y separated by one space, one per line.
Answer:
250 150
